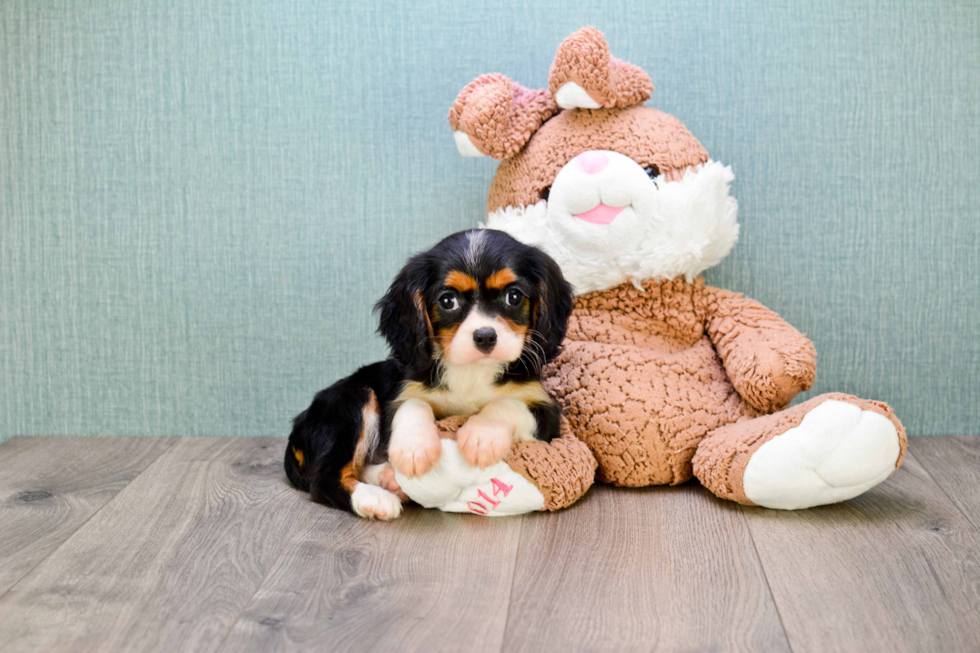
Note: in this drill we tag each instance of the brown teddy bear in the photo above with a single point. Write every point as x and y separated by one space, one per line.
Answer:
661 376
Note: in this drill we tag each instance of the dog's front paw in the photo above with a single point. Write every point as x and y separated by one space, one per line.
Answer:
388 482
483 442
383 475
373 502
415 449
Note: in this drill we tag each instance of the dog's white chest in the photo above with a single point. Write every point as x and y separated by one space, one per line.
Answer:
466 389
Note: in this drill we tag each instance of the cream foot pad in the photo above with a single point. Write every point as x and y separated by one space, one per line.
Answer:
837 452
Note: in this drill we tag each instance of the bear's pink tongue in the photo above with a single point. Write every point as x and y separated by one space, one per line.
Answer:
601 214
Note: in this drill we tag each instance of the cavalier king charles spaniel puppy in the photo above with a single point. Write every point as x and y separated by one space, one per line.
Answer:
470 323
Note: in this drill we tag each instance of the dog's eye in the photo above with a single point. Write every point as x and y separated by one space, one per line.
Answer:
545 192
448 302
514 297
652 172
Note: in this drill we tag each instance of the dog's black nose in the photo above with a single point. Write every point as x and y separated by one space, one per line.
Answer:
485 339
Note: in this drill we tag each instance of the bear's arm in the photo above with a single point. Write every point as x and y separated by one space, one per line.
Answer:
768 361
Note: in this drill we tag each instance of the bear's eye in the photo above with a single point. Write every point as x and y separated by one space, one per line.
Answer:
448 302
545 192
652 172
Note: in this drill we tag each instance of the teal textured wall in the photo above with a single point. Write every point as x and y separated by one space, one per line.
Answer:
201 200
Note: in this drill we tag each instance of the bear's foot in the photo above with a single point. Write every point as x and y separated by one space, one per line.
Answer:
454 486
829 449
836 453
534 476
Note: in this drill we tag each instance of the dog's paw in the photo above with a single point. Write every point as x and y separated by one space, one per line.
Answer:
382 475
415 449
373 502
386 479
483 442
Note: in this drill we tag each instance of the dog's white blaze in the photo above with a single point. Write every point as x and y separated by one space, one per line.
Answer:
462 350
475 244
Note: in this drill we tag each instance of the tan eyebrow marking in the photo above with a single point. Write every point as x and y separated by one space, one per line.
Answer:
501 279
460 281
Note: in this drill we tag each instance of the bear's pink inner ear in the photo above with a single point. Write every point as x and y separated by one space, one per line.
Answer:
585 76
496 116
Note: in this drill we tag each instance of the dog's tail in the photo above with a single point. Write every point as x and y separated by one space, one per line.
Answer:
295 460
294 469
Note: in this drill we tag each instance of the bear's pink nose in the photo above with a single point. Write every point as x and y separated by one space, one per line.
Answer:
592 162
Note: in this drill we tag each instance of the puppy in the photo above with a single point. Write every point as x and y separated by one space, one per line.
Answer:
470 323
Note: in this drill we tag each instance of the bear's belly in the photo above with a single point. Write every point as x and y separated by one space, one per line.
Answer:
643 411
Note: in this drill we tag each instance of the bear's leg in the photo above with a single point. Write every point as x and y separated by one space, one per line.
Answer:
562 470
828 449
534 476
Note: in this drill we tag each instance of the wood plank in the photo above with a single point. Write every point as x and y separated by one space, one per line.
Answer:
429 581
169 563
896 569
50 486
954 464
653 569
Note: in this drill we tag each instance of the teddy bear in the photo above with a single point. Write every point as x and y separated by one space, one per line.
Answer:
661 377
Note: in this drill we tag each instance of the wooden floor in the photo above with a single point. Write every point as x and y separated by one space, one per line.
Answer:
199 544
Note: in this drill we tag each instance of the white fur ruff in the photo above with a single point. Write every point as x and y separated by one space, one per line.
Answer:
667 230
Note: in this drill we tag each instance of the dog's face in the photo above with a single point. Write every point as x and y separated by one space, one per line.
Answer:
477 297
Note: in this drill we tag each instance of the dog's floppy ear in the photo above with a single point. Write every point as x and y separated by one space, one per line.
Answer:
553 306
404 322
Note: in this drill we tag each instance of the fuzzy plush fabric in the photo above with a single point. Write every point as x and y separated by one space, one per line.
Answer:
583 59
561 471
499 115
662 377
648 136
645 375
670 230
723 456
680 379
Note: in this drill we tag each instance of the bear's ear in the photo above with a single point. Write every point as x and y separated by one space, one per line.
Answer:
496 116
585 76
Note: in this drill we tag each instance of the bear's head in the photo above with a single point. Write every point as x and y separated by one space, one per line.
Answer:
614 190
